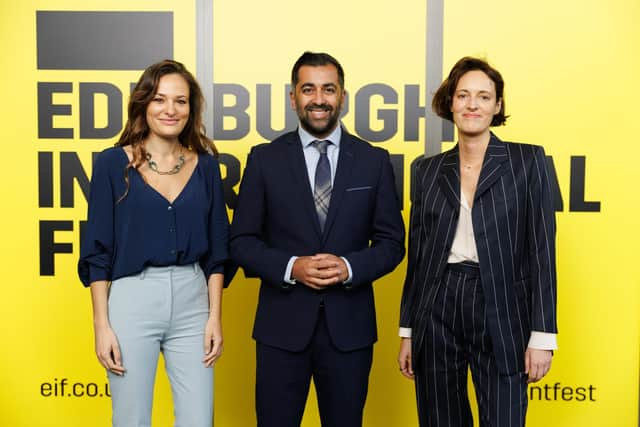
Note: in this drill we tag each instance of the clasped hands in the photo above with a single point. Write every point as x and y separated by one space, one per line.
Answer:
319 271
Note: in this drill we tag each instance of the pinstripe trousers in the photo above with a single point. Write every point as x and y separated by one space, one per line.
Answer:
457 339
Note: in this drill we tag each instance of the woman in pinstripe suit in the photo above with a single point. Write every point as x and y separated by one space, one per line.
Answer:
480 290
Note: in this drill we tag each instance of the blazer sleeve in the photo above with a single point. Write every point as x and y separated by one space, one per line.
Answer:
96 250
541 230
386 249
408 302
247 245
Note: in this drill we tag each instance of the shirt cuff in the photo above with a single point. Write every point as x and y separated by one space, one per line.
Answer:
287 272
405 333
543 341
350 277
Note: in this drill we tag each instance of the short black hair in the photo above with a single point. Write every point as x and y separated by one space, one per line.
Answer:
443 98
316 59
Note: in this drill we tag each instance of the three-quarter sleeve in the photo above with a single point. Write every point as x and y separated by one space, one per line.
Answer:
96 248
218 224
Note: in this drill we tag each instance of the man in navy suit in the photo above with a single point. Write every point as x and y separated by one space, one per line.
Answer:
317 220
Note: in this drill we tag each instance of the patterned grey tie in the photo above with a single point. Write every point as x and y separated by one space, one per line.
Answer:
322 186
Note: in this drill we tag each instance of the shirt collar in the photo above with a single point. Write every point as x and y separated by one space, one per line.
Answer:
306 138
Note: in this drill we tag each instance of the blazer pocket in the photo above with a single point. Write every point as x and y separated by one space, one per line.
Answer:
367 187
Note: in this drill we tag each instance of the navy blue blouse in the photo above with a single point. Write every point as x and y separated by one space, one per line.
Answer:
144 229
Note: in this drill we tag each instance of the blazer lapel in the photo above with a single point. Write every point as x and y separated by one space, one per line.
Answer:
449 178
298 166
493 167
341 180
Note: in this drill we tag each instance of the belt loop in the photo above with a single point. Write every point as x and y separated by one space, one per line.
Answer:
195 267
142 274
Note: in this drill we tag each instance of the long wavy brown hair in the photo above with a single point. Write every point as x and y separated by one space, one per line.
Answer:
136 130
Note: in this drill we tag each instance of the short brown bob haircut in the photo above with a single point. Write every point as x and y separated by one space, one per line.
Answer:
442 100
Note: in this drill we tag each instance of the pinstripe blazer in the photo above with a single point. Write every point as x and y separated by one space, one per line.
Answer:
514 227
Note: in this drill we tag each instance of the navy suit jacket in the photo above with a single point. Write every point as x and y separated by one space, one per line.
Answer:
275 218
514 227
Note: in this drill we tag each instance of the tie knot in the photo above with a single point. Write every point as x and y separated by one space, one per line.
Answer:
321 146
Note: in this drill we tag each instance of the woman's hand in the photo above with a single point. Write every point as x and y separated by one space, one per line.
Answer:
404 358
536 364
108 350
212 341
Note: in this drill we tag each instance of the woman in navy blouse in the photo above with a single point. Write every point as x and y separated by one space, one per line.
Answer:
154 251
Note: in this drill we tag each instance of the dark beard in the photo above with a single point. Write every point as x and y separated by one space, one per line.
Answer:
320 131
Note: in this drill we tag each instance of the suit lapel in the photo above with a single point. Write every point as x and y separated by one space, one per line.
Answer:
449 178
341 181
298 166
493 167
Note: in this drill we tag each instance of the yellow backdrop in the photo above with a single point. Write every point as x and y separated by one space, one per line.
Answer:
571 85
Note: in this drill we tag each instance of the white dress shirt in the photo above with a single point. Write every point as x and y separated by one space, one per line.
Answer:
311 157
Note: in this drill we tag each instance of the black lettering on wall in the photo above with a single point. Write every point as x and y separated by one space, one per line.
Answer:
45 179
87 110
48 246
576 189
231 179
237 111
389 117
71 170
413 112
264 110
79 40
559 392
47 109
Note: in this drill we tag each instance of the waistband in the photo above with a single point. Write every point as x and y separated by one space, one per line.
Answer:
468 268
153 271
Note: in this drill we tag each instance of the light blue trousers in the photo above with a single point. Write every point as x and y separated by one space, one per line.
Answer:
162 309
